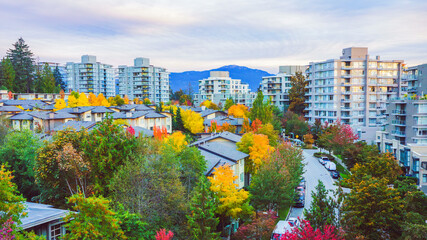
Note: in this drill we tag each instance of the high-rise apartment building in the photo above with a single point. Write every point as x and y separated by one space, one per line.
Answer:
276 87
416 78
90 76
219 87
354 88
144 81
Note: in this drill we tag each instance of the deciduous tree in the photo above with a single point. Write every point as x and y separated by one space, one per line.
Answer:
306 231
268 130
259 228
259 151
297 94
261 110
82 101
228 103
11 202
59 104
192 121
176 141
238 111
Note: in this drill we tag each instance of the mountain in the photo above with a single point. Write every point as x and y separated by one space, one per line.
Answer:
247 75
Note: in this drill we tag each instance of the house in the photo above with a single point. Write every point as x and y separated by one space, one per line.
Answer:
44 220
90 113
237 122
45 121
131 107
210 114
220 149
76 125
9 111
146 119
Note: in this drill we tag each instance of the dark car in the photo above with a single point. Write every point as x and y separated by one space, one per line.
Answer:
335 174
299 200
302 183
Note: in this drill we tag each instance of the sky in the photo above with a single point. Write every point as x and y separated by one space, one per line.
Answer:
184 35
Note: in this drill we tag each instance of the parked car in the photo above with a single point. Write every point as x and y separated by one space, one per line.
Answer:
300 190
330 166
283 226
299 200
335 174
323 160
302 183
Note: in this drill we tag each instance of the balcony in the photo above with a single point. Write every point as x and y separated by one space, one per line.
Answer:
398 112
398 133
398 122
346 76
346 100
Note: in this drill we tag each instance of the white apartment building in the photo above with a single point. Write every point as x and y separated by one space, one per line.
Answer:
90 76
219 87
144 81
276 87
354 89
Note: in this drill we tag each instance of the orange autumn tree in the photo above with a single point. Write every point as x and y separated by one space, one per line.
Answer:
160 133
233 202
257 146
102 101
256 125
226 127
92 99
126 99
238 111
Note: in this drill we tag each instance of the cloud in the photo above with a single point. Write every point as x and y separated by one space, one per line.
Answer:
185 35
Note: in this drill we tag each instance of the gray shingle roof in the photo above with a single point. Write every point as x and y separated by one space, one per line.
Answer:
10 109
21 116
223 151
129 115
152 114
208 111
140 131
40 213
226 135
76 125
41 115
221 120
93 109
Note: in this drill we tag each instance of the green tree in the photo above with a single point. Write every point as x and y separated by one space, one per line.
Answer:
7 76
297 125
18 153
373 210
48 80
297 94
22 62
282 166
270 132
228 103
58 78
201 220
178 123
132 225
358 152
11 203
323 209
93 219
261 110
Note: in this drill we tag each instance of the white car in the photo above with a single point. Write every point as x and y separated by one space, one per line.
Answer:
323 160
284 226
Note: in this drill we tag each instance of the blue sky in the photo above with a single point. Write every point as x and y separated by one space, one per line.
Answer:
196 35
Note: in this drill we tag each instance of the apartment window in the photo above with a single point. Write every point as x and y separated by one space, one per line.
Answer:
424 178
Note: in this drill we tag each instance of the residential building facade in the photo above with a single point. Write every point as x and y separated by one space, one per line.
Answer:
144 81
276 88
353 89
219 87
416 80
90 76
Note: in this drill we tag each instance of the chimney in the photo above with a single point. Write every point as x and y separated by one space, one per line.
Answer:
51 115
128 114
75 109
203 108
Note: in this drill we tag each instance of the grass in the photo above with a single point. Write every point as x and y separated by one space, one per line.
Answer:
283 212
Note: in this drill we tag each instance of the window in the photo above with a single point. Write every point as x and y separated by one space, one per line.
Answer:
55 231
424 178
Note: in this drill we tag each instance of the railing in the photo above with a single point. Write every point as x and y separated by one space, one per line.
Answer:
399 133
400 112
398 122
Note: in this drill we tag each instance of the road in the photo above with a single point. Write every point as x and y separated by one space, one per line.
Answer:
314 171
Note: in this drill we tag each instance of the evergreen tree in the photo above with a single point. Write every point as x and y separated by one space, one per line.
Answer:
38 81
261 110
22 62
201 220
323 208
297 94
228 103
58 78
48 80
7 75
179 123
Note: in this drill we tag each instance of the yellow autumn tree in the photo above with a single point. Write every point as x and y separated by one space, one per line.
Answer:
72 101
102 101
238 111
83 101
93 100
59 104
126 99
147 101
259 150
136 101
233 202
176 140
193 121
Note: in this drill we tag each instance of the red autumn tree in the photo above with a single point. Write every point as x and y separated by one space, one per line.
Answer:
162 235
259 228
160 133
256 125
305 231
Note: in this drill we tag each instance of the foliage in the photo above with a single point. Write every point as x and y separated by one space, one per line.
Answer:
22 61
261 110
201 220
259 228
245 142
132 225
177 123
102 101
126 99
7 74
58 78
192 121
296 124
176 141
94 219
228 103
59 104
209 104
226 127
238 111
18 153
11 203
268 130
373 210
72 101
308 139
121 122
358 152
47 80
162 235
92 99
83 101
147 101
316 129
233 202
297 94
322 209
259 150
306 231
116 101
160 133
337 137
282 166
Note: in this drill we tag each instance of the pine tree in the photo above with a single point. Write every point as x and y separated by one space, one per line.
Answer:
202 221
179 122
261 110
48 80
38 81
58 78
22 62
7 76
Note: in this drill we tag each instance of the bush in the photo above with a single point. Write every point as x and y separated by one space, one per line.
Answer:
317 154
